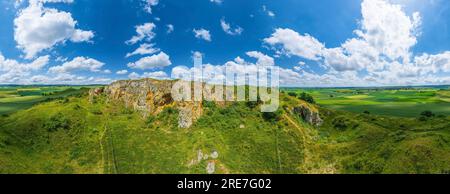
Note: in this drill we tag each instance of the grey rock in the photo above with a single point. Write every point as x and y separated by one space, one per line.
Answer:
211 167
308 115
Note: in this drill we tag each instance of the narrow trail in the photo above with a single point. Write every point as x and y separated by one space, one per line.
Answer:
102 151
109 165
305 140
309 162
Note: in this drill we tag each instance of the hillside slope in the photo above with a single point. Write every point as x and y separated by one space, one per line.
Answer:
97 134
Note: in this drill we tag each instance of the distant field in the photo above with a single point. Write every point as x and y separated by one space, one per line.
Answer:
390 102
15 98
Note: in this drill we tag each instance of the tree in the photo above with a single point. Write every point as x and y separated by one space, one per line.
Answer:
293 94
272 116
307 97
254 104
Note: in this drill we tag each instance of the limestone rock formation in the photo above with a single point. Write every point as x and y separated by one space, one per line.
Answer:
95 92
308 114
150 97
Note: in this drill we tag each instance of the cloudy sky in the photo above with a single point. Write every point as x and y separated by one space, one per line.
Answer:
315 43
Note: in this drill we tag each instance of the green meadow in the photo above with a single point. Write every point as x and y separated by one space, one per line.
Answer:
15 98
399 102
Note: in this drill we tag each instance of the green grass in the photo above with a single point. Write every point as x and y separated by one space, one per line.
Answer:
73 135
389 102
76 136
17 98
376 144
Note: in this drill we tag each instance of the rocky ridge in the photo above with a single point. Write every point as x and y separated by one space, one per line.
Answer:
150 97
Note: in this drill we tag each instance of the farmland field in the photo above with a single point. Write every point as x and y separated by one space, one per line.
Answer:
15 98
400 102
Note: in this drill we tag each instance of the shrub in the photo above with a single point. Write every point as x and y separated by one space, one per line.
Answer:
254 104
366 112
398 136
272 116
342 123
150 120
427 114
168 111
57 122
423 118
293 94
307 97
208 104
441 116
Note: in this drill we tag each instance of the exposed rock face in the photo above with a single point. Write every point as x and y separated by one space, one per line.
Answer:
310 116
189 112
95 92
150 97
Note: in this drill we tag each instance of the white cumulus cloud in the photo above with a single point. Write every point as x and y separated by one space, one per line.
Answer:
202 34
78 64
152 62
12 71
122 72
37 28
143 32
293 43
144 49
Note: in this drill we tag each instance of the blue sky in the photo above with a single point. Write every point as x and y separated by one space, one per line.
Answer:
390 42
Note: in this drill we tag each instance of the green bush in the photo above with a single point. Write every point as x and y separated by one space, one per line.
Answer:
307 97
57 122
343 123
423 118
208 104
293 94
150 120
427 114
272 116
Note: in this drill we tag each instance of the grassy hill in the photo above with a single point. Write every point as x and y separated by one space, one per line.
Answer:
73 135
15 98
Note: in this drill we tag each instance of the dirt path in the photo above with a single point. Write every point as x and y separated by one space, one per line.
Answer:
109 165
307 153
311 164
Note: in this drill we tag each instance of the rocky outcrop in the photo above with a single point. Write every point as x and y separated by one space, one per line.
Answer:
150 97
308 114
